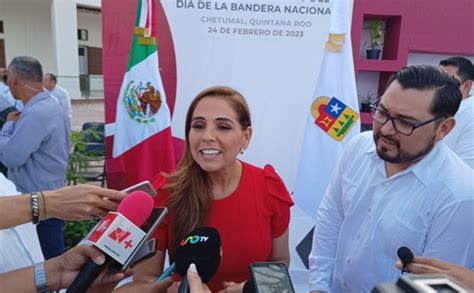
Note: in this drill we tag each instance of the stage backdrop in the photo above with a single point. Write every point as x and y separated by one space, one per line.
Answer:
270 51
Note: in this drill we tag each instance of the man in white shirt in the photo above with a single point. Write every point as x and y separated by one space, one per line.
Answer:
60 93
20 245
461 139
396 186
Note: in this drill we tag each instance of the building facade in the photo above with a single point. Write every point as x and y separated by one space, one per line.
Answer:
65 35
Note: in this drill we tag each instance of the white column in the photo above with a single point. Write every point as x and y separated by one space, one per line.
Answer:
65 45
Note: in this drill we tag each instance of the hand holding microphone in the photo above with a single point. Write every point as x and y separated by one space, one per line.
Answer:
117 234
406 257
202 247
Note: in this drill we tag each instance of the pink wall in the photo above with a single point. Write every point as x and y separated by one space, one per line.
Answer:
427 26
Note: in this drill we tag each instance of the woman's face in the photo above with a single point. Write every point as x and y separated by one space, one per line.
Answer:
216 136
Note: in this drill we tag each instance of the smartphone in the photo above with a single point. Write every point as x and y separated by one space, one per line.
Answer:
271 277
157 215
142 186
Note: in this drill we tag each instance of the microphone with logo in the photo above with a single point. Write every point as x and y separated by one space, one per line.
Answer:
117 235
203 248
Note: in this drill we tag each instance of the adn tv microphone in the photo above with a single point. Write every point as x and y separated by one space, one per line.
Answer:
116 235
406 257
202 247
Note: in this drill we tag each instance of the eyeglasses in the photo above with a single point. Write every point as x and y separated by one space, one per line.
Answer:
400 126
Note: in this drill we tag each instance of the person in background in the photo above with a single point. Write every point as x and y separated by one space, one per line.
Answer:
396 186
34 145
50 83
5 108
6 93
249 206
4 89
461 139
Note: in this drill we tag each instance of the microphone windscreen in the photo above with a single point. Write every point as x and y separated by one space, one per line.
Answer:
202 247
136 207
405 255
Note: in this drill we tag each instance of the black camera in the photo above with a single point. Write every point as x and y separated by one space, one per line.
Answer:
422 283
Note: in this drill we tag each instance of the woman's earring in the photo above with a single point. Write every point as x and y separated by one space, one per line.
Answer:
242 151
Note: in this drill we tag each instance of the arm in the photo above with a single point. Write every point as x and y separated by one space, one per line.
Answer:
17 146
280 249
79 202
59 271
427 265
326 233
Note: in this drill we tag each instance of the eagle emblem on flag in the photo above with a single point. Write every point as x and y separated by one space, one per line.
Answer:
141 101
333 116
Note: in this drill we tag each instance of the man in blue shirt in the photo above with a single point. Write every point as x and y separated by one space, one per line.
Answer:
34 145
396 186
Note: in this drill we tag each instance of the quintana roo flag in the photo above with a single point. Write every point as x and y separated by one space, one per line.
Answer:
143 141
333 117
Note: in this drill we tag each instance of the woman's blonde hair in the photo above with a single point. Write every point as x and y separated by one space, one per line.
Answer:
191 196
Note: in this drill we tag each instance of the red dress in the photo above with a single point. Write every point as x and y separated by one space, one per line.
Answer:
247 221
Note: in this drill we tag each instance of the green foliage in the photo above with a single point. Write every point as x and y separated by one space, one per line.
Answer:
76 231
79 158
78 162
375 26
368 99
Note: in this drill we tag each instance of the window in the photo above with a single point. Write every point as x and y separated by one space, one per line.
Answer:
2 53
1 27
82 35
94 60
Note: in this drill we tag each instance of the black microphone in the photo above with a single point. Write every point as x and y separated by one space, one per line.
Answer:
406 257
136 208
202 247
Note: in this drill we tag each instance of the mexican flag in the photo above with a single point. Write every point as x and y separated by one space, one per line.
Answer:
143 141
333 117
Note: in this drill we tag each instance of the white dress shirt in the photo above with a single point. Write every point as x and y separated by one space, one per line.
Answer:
19 246
461 138
63 98
365 217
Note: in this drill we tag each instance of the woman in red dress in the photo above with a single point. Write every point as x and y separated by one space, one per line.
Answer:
249 206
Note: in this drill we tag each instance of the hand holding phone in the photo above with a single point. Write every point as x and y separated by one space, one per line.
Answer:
142 186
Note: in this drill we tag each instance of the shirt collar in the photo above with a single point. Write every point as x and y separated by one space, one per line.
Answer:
36 98
425 169
466 104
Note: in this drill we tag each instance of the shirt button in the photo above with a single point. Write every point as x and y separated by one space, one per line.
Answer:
349 261
369 210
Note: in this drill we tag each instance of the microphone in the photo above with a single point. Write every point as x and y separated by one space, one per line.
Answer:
116 235
202 247
406 257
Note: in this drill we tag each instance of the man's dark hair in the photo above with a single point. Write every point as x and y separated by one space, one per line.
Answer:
465 69
27 68
52 77
447 96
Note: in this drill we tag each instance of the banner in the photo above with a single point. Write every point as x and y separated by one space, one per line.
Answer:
142 113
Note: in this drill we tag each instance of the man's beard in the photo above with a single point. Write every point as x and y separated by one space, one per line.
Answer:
401 156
